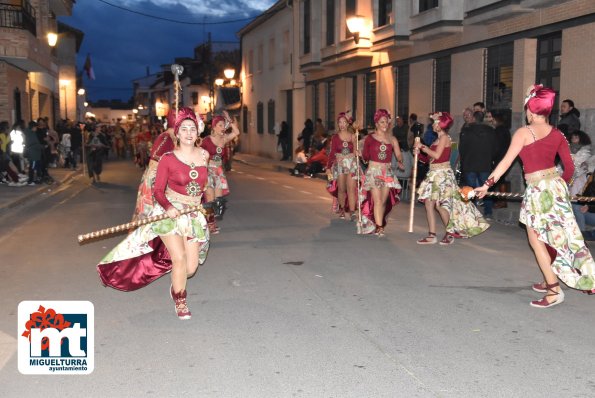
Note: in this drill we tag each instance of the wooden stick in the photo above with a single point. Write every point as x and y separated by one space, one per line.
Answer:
513 195
103 233
412 190
358 180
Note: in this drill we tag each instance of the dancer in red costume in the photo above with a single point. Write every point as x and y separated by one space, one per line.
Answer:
381 188
177 244
215 145
552 230
439 190
342 166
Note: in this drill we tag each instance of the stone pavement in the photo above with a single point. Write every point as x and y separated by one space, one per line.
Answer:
14 196
508 215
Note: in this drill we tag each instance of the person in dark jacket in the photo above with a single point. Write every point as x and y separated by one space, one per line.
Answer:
306 135
569 118
76 142
284 139
477 150
33 153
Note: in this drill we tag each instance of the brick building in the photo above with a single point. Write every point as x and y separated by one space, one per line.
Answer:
420 56
37 80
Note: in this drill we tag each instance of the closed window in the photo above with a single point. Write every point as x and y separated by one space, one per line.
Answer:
260 118
330 105
425 5
350 10
499 67
442 84
330 22
271 116
307 26
402 91
385 12
315 102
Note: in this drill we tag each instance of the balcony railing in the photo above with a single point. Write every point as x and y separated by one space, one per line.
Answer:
19 17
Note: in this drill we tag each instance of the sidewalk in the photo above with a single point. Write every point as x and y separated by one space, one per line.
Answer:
508 215
14 196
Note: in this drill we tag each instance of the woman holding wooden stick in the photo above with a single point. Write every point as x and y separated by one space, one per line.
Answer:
439 190
177 244
552 230
342 166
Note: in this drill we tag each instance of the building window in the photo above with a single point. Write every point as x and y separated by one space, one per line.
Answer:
307 25
250 62
260 57
499 79
272 53
370 99
315 102
385 12
442 84
260 118
549 53
330 22
402 91
286 47
330 105
350 10
425 5
245 119
271 116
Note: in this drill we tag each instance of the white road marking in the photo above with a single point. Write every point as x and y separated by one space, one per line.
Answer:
259 178
324 198
240 172
306 192
287 186
273 182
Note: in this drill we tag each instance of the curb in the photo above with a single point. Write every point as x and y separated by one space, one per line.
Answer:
37 192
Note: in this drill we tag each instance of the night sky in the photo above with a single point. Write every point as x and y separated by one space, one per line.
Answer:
123 44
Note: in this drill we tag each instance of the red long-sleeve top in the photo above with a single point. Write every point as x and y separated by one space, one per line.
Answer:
163 144
337 146
215 152
172 173
541 154
372 149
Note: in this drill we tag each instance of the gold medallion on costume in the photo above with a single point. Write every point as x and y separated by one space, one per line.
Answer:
345 150
382 153
192 188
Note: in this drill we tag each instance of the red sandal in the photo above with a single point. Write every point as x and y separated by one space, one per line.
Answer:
428 240
539 287
543 303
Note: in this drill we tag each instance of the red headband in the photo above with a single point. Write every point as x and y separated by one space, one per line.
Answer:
381 113
443 119
185 114
217 119
346 116
540 100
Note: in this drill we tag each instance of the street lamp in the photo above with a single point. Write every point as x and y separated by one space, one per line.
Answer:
229 73
86 104
52 39
81 91
355 24
219 82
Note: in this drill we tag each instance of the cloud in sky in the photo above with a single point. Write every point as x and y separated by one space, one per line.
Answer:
122 44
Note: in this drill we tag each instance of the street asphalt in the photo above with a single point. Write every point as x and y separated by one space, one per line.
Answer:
291 302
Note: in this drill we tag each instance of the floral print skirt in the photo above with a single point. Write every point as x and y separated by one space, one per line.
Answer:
546 209
344 165
144 197
217 179
441 186
142 257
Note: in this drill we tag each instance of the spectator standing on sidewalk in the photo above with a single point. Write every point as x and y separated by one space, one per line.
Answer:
76 142
478 150
96 146
284 138
17 144
502 143
306 135
33 153
569 118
